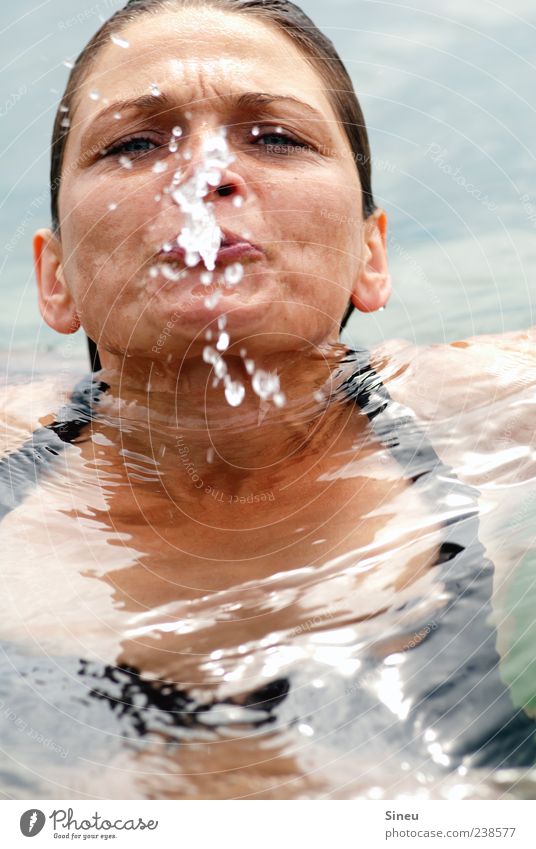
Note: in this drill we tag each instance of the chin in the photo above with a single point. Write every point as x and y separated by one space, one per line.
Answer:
190 315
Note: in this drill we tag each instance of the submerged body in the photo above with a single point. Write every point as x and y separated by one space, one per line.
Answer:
341 633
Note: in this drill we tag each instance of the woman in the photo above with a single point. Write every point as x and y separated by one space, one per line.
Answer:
268 556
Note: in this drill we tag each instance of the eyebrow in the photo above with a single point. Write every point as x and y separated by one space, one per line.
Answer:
249 101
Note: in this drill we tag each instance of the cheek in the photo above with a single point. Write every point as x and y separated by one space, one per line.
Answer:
104 227
317 231
319 225
322 215
106 207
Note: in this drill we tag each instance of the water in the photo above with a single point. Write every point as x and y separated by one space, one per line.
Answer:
311 658
328 659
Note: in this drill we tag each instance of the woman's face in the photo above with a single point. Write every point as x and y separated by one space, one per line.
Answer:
301 204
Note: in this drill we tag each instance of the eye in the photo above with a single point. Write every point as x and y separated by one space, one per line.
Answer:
279 143
136 146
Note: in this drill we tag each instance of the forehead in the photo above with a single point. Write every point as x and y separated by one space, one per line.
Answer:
202 52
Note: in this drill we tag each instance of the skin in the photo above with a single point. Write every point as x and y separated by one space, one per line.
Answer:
302 209
288 208
286 311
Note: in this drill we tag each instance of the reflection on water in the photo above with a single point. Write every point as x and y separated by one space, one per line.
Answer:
387 655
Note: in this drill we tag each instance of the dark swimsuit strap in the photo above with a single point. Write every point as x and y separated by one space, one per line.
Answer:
20 471
397 429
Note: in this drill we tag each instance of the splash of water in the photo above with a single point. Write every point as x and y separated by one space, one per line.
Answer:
201 238
201 235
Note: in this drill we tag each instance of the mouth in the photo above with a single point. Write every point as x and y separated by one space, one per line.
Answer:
233 248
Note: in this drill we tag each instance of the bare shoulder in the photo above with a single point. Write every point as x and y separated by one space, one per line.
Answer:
24 407
449 379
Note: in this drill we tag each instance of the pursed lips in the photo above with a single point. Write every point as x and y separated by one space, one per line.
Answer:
233 248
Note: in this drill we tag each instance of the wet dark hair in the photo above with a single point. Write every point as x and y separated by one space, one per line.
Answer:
284 15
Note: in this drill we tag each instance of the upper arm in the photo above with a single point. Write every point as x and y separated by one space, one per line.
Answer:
444 381
24 408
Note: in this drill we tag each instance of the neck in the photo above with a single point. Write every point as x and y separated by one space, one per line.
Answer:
179 421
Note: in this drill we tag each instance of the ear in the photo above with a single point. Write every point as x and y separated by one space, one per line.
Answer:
372 287
55 301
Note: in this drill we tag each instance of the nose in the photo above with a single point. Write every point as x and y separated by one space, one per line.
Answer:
225 190
230 183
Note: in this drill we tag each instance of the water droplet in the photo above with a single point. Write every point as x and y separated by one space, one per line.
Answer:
255 131
159 167
158 198
68 63
173 147
125 162
265 383
222 321
167 246
213 177
121 42
279 399
223 342
155 90
210 355
206 278
177 132
187 154
66 122
208 334
188 115
64 108
250 366
153 272
117 116
210 455
238 200
233 273
171 273
319 396
220 368
94 95
192 258
243 352
211 300
112 206
234 393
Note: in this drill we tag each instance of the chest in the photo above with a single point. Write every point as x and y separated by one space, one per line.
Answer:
83 557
